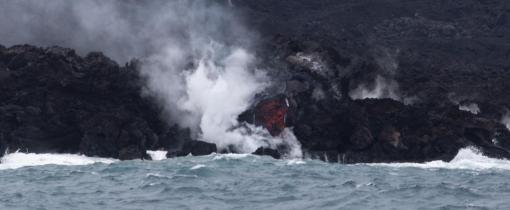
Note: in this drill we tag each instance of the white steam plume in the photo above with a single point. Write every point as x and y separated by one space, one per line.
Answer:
195 56
122 29
384 85
471 107
383 88
506 120
209 95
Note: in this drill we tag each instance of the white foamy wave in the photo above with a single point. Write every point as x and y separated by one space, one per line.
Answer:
199 166
230 156
295 162
157 155
18 160
153 175
467 158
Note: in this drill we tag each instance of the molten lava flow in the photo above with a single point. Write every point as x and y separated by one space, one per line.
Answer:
271 114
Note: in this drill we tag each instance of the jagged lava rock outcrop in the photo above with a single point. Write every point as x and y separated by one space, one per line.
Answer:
431 56
52 100
454 50
332 126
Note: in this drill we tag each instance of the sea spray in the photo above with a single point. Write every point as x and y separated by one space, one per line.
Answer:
19 159
157 154
216 94
208 82
467 158
233 181
209 96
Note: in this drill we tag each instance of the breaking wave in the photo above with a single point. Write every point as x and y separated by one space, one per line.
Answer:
233 181
19 159
467 158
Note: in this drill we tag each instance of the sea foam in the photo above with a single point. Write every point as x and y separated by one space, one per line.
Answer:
467 158
19 159
157 154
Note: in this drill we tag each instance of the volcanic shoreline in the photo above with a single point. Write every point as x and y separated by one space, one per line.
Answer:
413 82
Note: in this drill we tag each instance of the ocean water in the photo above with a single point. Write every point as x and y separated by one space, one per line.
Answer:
233 181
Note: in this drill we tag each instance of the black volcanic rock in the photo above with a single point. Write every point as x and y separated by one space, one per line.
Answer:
455 50
52 100
434 55
332 127
112 136
384 130
196 148
268 152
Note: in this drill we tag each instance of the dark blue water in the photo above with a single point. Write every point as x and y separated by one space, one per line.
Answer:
252 182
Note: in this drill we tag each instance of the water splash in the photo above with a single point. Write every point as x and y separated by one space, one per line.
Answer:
467 158
158 154
18 160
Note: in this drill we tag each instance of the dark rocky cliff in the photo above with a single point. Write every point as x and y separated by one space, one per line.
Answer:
435 50
429 57
52 100
433 56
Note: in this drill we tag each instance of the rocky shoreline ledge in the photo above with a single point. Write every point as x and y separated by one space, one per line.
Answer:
52 100
356 81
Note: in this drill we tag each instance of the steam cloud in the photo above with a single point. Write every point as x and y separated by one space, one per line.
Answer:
472 107
196 57
506 120
384 84
383 88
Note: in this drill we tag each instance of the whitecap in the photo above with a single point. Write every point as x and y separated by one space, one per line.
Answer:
153 175
467 158
19 159
197 167
295 162
230 156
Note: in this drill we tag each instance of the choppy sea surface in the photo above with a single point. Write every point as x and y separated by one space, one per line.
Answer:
233 181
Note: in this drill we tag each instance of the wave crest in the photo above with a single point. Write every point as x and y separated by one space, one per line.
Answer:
19 159
467 158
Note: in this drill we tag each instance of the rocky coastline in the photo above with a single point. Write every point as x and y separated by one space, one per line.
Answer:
354 88
56 101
